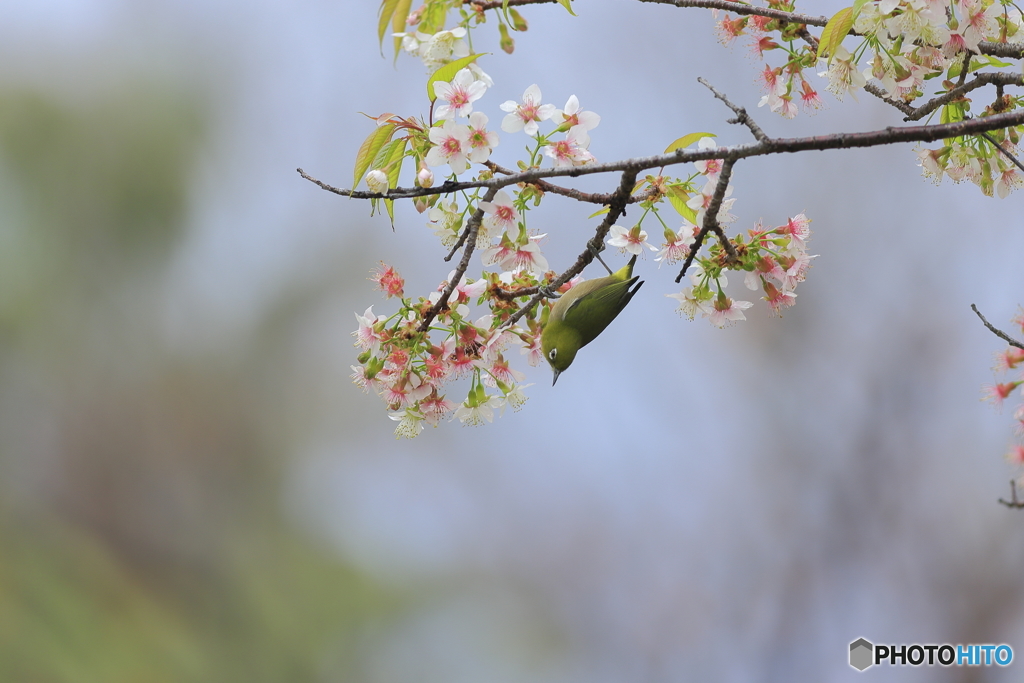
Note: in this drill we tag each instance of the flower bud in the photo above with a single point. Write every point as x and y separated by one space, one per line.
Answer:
377 181
506 42
425 178
518 23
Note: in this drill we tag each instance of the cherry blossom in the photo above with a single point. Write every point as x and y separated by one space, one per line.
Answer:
451 146
573 116
377 181
459 94
572 151
632 240
481 141
525 116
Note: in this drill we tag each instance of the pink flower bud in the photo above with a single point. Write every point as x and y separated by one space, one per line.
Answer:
425 178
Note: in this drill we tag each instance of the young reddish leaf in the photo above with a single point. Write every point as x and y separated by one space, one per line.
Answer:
687 140
835 31
447 72
369 149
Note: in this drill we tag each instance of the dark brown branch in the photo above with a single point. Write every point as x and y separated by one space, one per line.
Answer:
741 114
1000 78
965 68
472 228
616 208
714 206
749 10
711 224
885 136
546 187
1009 50
1014 502
996 331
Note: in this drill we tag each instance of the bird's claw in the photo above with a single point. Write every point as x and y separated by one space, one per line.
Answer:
548 292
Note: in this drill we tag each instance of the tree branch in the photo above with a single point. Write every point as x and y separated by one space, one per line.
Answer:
1000 78
741 114
885 136
749 10
588 197
996 331
1010 50
1013 159
473 226
616 208
711 223
1014 502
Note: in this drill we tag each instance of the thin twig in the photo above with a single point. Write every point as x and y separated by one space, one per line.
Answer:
1014 160
741 114
996 331
965 67
1014 502
601 198
453 282
1009 50
788 17
616 208
711 224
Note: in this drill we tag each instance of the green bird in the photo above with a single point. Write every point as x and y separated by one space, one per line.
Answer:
582 313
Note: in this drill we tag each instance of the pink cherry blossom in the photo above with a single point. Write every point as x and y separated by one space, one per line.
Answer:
451 146
572 151
526 115
459 94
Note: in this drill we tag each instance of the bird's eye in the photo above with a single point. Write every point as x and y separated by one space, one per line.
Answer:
553 353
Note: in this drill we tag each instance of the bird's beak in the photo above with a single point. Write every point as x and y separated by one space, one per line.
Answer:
557 373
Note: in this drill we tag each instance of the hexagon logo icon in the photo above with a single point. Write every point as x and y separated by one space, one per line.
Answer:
860 654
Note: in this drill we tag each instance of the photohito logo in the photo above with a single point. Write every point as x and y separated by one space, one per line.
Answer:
863 654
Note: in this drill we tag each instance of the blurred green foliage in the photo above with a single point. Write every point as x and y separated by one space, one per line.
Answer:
152 547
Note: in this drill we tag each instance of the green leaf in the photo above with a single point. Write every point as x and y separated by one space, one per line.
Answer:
369 149
447 72
566 5
678 197
856 8
835 31
687 140
398 22
396 156
599 212
387 11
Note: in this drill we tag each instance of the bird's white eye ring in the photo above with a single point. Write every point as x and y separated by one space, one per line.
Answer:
552 354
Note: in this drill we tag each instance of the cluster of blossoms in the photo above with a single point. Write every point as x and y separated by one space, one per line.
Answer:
903 44
412 356
1011 362
772 260
410 368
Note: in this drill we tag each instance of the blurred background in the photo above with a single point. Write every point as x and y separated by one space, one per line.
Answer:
192 490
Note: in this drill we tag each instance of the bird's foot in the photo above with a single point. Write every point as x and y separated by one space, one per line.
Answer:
548 292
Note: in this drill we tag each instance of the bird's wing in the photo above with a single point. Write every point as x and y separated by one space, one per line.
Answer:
594 311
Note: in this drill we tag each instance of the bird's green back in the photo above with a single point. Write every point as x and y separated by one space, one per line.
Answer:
582 313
